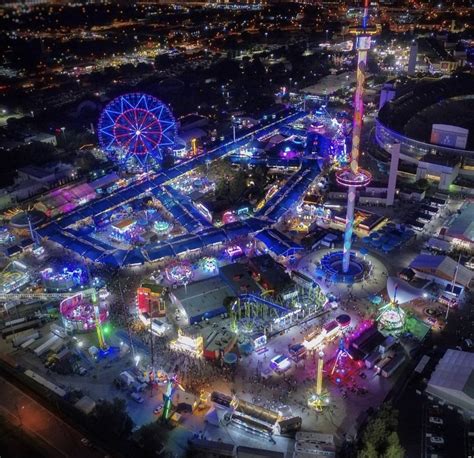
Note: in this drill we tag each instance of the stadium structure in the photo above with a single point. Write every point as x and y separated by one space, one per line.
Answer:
428 118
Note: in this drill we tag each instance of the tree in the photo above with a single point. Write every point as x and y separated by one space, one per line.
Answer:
423 184
111 417
375 432
394 449
151 437
226 69
228 302
389 60
368 452
380 438
163 61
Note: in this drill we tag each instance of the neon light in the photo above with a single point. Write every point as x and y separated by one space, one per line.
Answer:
234 251
204 211
353 177
136 126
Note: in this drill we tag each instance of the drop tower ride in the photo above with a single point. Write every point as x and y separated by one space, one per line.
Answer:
353 176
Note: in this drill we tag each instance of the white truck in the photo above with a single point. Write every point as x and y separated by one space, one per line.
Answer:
127 379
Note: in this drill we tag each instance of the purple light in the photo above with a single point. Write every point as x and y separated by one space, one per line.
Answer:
234 250
345 177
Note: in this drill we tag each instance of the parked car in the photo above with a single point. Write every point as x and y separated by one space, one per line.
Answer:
436 420
137 398
437 440
86 442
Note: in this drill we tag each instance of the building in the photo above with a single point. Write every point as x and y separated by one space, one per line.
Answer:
460 230
412 117
331 84
442 269
277 243
42 138
272 277
192 121
150 299
314 445
239 278
48 175
441 169
201 300
63 200
218 343
32 179
453 380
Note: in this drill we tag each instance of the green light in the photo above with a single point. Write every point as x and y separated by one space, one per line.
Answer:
107 328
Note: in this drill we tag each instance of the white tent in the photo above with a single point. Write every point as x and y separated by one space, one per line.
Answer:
403 291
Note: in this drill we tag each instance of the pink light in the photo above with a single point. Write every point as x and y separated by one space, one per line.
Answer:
345 177
234 250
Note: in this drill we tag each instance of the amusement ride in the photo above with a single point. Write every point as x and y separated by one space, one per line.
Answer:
135 130
344 266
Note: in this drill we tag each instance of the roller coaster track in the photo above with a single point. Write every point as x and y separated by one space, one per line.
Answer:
4 297
254 298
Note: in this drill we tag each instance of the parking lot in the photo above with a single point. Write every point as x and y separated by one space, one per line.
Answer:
444 430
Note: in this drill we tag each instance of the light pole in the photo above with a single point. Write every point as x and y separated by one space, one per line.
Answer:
452 286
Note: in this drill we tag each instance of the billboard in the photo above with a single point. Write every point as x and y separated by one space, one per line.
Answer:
449 136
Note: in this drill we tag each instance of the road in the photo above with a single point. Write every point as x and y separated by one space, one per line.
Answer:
60 439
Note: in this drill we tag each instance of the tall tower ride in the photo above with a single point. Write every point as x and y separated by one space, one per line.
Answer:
353 176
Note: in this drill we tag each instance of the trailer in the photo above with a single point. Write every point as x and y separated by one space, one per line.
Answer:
387 344
57 346
366 335
44 347
23 336
372 359
45 383
24 325
389 369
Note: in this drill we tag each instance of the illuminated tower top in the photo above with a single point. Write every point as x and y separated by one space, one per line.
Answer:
362 33
353 177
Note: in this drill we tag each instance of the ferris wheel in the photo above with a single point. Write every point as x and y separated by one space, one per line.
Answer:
134 129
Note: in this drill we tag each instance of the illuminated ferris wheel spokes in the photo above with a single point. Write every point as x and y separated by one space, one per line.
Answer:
136 127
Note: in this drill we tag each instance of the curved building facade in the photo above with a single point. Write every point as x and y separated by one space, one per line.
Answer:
414 150
429 117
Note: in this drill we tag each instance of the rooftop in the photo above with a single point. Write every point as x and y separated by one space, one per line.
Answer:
443 267
239 278
272 273
463 224
203 296
454 376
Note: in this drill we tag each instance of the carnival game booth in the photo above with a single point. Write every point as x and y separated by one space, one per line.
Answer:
318 337
150 299
219 343
80 315
189 341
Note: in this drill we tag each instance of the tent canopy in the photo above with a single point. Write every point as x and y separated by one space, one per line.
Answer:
401 290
